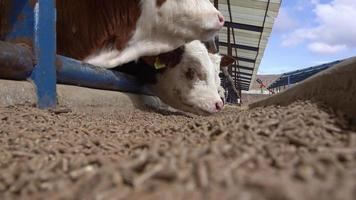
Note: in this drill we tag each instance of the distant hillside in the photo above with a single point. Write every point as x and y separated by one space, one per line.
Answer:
266 79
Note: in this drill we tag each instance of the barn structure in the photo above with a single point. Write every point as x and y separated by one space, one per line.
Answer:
245 35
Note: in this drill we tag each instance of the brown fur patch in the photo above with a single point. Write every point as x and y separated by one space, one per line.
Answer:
159 3
190 74
170 59
144 69
226 61
5 27
84 26
200 75
145 73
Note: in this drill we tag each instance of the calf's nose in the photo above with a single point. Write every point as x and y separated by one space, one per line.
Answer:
219 105
221 19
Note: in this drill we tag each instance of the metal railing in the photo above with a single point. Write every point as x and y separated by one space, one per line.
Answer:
28 52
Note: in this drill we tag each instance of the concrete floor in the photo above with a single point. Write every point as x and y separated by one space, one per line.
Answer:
77 98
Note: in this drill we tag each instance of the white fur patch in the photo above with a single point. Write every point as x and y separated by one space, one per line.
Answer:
103 57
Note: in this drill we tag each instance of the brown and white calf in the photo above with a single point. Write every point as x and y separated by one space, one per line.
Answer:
186 78
109 33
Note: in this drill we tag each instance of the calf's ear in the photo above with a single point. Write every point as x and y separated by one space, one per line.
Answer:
226 61
169 59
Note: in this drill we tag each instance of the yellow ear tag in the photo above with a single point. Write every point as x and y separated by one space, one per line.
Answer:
158 64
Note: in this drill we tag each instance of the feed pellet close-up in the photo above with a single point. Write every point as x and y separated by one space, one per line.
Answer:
177 100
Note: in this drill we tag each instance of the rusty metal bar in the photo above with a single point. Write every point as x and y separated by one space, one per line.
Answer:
16 61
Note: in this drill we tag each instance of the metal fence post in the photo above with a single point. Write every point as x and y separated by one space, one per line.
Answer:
44 74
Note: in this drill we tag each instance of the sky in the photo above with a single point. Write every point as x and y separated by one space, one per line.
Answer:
310 32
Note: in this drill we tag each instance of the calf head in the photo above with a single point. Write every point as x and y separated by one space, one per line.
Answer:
220 61
223 61
190 79
189 19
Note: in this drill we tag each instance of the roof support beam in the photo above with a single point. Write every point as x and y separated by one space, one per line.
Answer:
246 80
244 73
239 46
244 26
245 59
243 79
243 83
243 67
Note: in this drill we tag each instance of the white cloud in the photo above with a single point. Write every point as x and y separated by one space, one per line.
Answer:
315 2
302 5
320 62
324 48
284 21
335 30
298 36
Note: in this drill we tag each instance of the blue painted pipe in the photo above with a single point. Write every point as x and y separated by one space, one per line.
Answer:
16 62
44 74
73 72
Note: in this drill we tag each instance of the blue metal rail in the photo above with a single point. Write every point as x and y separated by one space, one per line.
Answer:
44 73
28 52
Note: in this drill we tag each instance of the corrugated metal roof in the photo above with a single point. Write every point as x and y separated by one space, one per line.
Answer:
246 34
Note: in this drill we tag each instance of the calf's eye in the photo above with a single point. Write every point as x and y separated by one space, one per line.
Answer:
190 74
